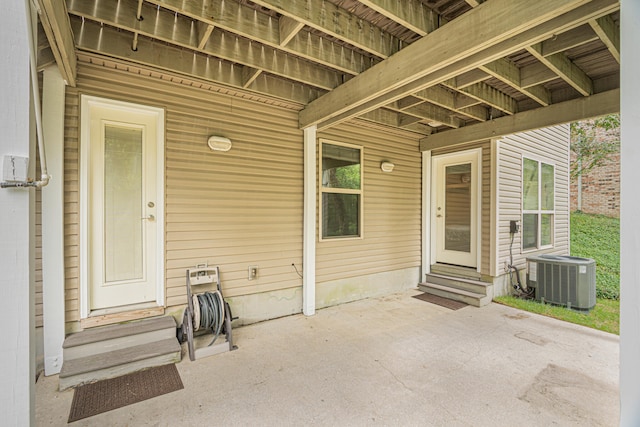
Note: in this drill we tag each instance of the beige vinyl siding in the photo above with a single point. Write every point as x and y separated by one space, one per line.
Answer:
485 256
392 207
550 145
233 209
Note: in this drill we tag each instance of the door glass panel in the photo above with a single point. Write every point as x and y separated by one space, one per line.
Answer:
457 226
123 232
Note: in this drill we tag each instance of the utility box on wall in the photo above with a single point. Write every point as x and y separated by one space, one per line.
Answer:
563 280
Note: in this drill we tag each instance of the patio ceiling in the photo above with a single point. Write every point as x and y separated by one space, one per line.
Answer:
447 69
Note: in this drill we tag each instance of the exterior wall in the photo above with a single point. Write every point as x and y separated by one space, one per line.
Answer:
245 207
233 209
388 257
485 256
550 145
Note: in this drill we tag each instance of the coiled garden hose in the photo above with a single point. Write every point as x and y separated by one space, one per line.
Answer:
210 307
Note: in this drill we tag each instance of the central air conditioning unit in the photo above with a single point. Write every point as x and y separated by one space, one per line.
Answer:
563 280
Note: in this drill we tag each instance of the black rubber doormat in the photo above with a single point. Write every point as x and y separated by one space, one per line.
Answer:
444 302
105 395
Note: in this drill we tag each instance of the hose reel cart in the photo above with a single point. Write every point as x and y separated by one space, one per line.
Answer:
206 310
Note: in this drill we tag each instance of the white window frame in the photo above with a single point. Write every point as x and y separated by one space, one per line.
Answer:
538 211
324 190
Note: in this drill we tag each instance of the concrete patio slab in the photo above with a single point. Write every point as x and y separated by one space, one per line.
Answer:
393 360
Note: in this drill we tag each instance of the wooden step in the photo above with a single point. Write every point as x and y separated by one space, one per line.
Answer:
113 337
471 298
118 362
470 285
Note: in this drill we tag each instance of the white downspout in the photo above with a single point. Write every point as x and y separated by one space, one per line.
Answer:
309 224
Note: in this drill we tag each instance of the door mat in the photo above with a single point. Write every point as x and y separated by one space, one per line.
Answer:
113 393
444 302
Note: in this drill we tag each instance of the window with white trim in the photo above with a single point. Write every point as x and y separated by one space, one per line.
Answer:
340 190
538 207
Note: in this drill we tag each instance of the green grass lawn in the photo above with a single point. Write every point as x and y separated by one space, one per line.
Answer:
596 237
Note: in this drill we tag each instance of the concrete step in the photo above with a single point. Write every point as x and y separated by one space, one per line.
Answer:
470 285
118 362
471 298
114 350
113 337
455 271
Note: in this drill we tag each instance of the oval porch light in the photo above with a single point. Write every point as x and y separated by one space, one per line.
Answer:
219 143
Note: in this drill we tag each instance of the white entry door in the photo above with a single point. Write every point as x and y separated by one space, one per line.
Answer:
123 215
455 211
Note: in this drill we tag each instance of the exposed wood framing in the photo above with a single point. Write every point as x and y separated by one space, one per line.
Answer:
159 55
507 72
453 101
204 30
413 15
487 94
55 21
609 33
568 40
555 114
429 60
163 25
337 22
563 67
288 29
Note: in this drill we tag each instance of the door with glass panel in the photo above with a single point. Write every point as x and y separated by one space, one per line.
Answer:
123 216
455 210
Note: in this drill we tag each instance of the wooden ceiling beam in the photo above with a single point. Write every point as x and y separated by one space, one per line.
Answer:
451 101
432 113
90 37
509 73
568 40
609 33
337 22
55 22
247 22
488 95
413 15
555 114
178 30
565 69
536 74
429 60
288 28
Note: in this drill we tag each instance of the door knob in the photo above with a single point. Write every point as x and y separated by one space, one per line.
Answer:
150 217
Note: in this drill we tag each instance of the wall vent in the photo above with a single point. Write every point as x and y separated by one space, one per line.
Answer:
563 280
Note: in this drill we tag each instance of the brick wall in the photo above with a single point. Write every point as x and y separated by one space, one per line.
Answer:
600 186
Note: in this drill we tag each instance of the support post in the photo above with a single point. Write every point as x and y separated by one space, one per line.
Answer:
426 215
629 208
53 221
309 233
17 358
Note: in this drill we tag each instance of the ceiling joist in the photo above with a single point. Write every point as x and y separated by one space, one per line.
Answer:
563 112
